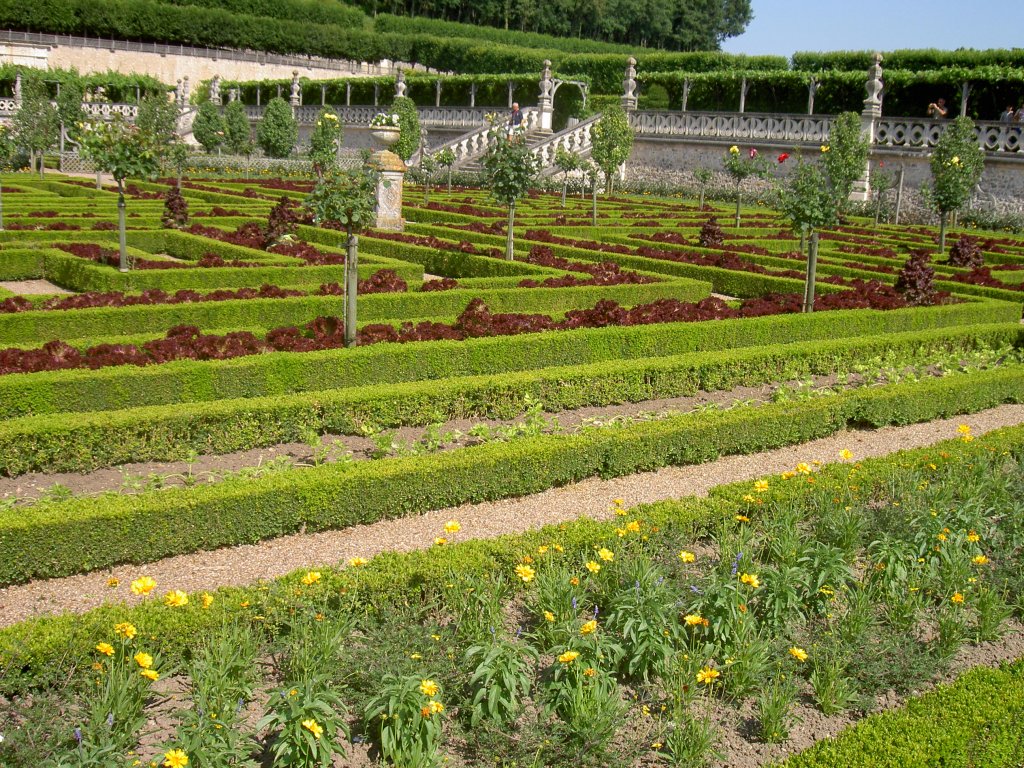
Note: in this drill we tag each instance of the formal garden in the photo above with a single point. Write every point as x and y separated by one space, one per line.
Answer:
193 362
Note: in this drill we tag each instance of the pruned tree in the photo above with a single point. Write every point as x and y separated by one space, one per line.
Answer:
446 159
566 162
208 127
957 164
409 122
611 139
277 131
742 166
845 157
510 170
325 141
36 122
237 130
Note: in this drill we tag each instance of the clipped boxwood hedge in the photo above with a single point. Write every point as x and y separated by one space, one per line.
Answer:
285 372
50 540
79 442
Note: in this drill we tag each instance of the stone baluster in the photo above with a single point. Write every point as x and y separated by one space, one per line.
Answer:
812 89
546 99
965 92
400 85
437 93
17 90
629 99
686 92
215 90
185 91
870 116
744 87
232 95
295 98
179 95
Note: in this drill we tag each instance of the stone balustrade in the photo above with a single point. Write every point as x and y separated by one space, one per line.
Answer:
731 126
472 145
575 140
914 133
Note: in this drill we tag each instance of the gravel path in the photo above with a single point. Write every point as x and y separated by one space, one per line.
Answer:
33 287
246 564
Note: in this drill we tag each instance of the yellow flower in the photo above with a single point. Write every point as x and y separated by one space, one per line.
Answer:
590 626
105 648
424 711
574 581
415 656
798 653
589 672
633 526
175 599
687 557
606 554
980 560
313 727
526 573
113 581
549 616
311 577
126 630
593 567
559 548
803 468
620 532
440 541
176 758
750 579
356 562
542 550
749 498
150 674
964 429
436 707
143 585
569 657
972 536
527 559
967 438
708 675
734 150
207 599
743 518
428 688
761 486
824 147
788 474
693 619
845 454
957 598
144 660
452 526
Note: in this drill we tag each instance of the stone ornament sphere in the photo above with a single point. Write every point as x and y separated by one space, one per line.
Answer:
386 136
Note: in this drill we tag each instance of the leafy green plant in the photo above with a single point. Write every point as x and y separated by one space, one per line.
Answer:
405 721
690 740
510 170
208 127
742 166
36 122
237 130
500 681
611 140
956 164
775 714
446 159
846 158
306 719
566 162
832 689
703 177
325 141
409 122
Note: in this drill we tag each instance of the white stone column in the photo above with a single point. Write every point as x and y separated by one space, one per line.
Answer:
389 190
295 99
629 98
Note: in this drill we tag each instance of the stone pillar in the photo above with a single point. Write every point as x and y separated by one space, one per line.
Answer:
437 92
400 85
348 94
511 91
629 87
186 90
17 89
744 87
686 92
812 88
869 118
179 94
295 99
323 95
472 96
389 190
215 90
546 99
965 92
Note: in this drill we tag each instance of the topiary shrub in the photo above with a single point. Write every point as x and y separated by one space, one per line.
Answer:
409 120
277 131
711 235
917 278
238 132
966 252
208 127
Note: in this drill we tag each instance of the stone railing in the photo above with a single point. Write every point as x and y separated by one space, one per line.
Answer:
731 126
472 145
102 109
575 140
911 133
430 117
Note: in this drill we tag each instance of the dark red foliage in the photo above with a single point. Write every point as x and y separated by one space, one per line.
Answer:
218 211
917 278
188 342
604 273
429 241
57 226
383 281
468 210
966 253
983 276
444 284
543 236
282 220
150 296
104 226
213 260
101 255
175 209
711 234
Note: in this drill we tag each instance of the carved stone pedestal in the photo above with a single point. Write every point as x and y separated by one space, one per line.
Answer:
389 190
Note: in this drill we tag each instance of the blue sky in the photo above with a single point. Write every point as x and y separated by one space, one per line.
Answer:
785 26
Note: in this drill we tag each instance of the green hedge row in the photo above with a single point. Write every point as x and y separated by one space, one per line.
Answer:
27 327
909 58
283 372
976 721
37 651
51 540
83 442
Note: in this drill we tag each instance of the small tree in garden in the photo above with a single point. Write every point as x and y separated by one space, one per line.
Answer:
510 170
882 182
428 167
237 131
208 127
347 198
446 159
845 157
277 131
409 122
702 176
611 140
158 117
566 162
325 141
36 123
70 113
176 157
956 163
741 166
806 199
123 150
